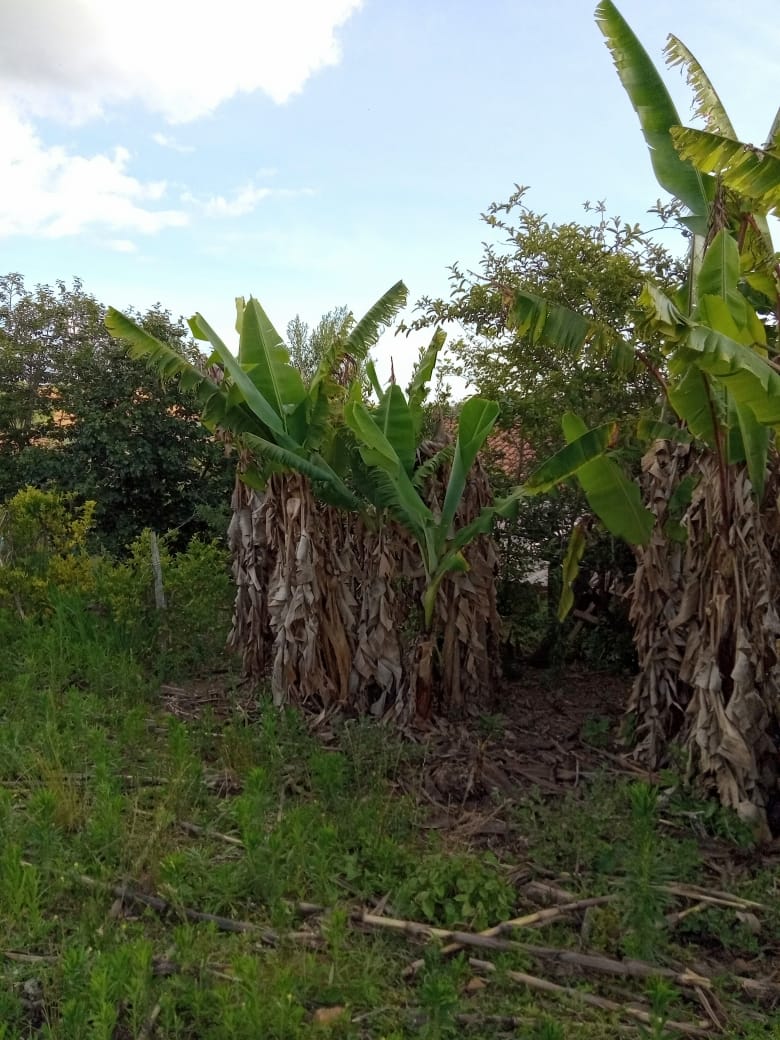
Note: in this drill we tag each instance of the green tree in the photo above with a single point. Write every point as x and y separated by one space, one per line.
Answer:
80 416
308 345
598 269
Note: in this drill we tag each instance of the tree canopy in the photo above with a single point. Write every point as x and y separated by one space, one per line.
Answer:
597 268
78 415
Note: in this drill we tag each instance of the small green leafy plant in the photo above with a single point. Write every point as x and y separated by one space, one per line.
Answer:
457 890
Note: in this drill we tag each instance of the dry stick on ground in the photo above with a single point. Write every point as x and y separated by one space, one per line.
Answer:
708 1002
203 832
697 893
126 894
592 962
587 961
29 958
543 985
163 906
529 921
713 896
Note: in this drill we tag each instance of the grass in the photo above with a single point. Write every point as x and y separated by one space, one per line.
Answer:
247 819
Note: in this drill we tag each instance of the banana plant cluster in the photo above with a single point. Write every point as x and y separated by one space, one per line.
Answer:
719 380
358 456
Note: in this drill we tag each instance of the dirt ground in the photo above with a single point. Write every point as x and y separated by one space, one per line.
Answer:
552 731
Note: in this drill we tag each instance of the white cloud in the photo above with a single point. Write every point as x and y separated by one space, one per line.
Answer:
45 190
180 58
245 200
122 245
166 141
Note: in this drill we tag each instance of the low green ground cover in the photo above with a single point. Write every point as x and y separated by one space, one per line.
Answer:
122 823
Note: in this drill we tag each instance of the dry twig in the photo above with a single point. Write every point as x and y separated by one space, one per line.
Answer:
538 917
700 1028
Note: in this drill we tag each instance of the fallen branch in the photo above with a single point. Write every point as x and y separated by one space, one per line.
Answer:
203 832
700 1028
586 961
29 958
163 906
532 920
713 896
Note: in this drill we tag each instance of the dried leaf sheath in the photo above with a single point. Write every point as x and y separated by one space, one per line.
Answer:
707 628
329 607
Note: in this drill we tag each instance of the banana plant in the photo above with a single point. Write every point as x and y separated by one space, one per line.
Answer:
717 377
389 473
392 480
694 166
357 458
261 399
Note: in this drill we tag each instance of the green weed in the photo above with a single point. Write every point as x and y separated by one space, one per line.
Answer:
457 890
643 899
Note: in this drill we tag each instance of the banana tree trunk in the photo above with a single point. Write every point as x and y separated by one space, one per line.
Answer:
329 609
706 628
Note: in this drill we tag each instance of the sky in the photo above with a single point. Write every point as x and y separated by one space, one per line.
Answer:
313 152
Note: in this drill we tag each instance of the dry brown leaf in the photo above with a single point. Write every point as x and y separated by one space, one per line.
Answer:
326 1016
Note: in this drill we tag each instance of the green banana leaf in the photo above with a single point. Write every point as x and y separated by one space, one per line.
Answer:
545 322
417 391
253 397
377 452
749 442
264 357
773 138
707 106
375 448
317 412
374 380
394 418
719 274
362 335
663 314
615 499
570 568
388 494
315 468
737 368
250 352
744 326
367 331
657 115
477 418
751 172
217 407
565 463
656 430
696 402
433 465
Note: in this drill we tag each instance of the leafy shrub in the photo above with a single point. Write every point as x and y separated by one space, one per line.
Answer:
43 546
189 634
457 890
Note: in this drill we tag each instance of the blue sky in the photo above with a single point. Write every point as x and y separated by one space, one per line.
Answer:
314 152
